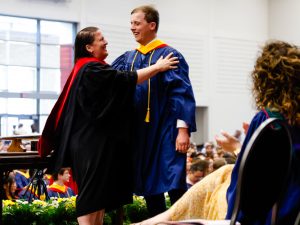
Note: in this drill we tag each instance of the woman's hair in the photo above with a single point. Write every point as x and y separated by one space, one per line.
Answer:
151 14
276 80
7 184
84 37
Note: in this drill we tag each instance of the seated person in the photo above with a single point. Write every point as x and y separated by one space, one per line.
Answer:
48 179
206 200
208 149
4 145
218 162
32 189
275 74
197 171
22 177
58 188
10 187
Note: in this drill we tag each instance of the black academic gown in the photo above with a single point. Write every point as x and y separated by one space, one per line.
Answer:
93 136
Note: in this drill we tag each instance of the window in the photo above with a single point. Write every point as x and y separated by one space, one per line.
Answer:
36 57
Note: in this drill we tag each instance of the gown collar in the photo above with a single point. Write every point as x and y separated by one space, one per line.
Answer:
144 49
58 188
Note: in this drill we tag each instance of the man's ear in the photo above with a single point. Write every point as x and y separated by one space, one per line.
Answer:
152 25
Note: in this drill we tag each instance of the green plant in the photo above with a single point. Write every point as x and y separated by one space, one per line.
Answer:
137 211
61 211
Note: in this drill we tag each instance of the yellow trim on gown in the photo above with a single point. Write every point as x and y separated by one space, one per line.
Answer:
144 49
206 199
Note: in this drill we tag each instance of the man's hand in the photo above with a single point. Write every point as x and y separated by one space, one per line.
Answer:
182 140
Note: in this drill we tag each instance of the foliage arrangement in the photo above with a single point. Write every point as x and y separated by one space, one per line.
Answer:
61 211
57 211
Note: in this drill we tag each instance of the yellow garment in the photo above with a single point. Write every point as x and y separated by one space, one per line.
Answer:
206 199
56 187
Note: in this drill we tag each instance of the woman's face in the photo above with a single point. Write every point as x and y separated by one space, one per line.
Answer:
98 47
13 187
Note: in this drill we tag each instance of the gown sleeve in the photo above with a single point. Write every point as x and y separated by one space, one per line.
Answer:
181 97
120 62
104 90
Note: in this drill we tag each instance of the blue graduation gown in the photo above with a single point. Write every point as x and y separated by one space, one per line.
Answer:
158 166
21 180
291 200
55 190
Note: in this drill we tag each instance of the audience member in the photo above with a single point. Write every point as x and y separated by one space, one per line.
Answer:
4 145
34 128
10 187
22 178
36 187
206 200
230 157
219 163
58 188
276 91
197 171
208 148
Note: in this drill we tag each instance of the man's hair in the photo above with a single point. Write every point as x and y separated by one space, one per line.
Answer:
60 172
151 14
219 163
84 37
199 165
276 80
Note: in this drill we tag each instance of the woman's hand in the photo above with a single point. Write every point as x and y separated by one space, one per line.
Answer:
228 142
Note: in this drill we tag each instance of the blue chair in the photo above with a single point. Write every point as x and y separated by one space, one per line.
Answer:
263 173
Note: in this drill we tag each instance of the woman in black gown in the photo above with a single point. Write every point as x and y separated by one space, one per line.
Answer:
89 127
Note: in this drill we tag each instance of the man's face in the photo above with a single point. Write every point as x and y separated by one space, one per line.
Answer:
66 176
209 149
143 31
196 176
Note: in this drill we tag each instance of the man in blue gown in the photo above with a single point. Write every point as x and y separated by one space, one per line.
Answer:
165 115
